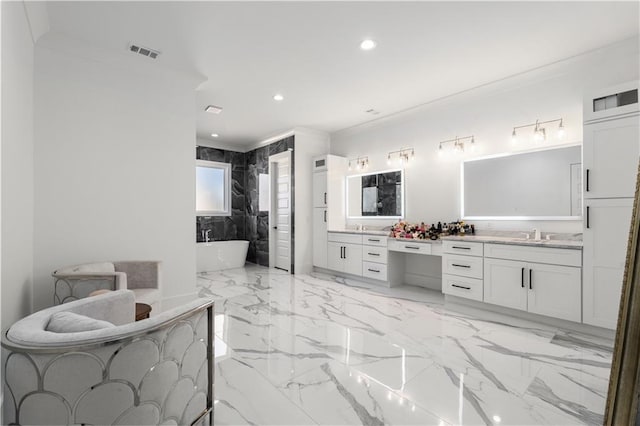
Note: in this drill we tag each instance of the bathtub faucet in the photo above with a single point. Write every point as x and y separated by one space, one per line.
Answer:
205 235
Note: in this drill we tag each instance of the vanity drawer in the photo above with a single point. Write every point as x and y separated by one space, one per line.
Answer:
409 247
374 254
374 240
466 266
462 247
339 237
470 288
551 255
377 271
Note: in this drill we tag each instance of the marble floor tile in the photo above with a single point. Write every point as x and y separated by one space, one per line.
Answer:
317 349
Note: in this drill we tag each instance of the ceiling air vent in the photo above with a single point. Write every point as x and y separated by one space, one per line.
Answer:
144 51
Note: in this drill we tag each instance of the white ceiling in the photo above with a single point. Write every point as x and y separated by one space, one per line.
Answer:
310 52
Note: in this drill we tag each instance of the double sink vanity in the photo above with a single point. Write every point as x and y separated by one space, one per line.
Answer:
586 188
542 277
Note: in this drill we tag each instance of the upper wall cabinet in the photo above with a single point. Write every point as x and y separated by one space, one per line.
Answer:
538 185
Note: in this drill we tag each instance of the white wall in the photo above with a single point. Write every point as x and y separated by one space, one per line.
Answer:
17 163
489 112
114 164
308 144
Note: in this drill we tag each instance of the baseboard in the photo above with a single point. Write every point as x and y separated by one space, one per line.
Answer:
490 312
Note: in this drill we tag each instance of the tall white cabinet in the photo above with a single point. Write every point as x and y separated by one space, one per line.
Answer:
328 203
611 149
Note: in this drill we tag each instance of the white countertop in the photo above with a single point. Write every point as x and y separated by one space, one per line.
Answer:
567 244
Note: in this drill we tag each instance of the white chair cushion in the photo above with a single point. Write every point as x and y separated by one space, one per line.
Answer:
69 322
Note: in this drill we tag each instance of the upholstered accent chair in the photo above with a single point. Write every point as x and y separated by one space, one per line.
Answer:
155 371
78 281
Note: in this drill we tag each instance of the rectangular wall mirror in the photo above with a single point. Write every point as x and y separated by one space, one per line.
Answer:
376 195
541 185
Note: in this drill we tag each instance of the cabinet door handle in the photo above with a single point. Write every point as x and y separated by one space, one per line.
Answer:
460 266
325 216
375 240
462 248
325 198
530 280
373 270
522 277
341 252
412 247
587 183
460 286
587 217
373 254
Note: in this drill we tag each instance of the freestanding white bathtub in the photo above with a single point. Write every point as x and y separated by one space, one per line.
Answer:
218 255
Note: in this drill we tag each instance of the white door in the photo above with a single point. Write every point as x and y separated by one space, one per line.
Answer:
320 189
605 234
335 256
320 237
352 259
505 283
282 216
555 291
610 152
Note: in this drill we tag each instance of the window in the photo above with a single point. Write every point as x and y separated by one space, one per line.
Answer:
213 188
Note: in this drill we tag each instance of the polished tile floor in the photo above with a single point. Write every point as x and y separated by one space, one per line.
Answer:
315 349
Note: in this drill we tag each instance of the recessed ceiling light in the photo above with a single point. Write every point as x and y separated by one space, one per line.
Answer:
278 97
214 135
368 44
213 109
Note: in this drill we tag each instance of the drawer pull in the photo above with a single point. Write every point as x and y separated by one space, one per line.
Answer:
412 247
462 248
530 280
375 240
373 254
460 286
373 270
522 277
460 266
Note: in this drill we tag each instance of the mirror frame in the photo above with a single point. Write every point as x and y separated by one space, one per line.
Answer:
624 386
402 195
511 154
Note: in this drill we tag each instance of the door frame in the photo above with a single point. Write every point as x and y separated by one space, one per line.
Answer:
274 159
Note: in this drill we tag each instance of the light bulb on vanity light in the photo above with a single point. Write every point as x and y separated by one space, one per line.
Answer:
561 133
389 159
472 144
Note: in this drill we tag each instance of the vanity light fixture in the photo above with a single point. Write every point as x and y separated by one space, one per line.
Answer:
403 155
278 97
539 131
360 163
214 135
458 144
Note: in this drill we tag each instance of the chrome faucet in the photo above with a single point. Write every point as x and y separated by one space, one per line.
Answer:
536 234
205 235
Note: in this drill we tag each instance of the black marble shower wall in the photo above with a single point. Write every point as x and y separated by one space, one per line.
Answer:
225 227
246 221
257 222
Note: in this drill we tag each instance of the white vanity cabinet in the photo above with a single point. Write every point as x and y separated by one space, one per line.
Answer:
610 154
462 269
374 257
605 235
611 149
344 253
517 278
328 203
